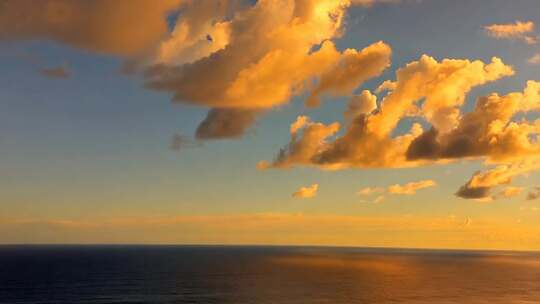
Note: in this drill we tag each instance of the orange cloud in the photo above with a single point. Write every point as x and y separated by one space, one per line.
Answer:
490 132
306 192
261 56
128 28
396 189
516 30
511 191
368 140
411 188
236 57
370 190
481 183
365 103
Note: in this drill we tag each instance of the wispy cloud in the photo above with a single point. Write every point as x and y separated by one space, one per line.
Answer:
518 30
535 59
179 142
370 190
411 188
55 73
396 189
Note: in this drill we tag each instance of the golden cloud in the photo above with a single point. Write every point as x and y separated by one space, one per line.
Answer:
411 188
396 189
442 86
516 30
490 132
262 56
306 192
481 183
236 57
128 28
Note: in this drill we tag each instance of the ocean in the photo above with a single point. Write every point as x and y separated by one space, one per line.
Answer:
238 274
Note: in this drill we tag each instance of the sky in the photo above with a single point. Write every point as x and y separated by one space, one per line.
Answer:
283 122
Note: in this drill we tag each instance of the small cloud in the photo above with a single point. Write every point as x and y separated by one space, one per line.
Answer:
511 191
179 142
369 190
411 188
306 192
476 193
226 123
535 59
379 199
516 30
55 73
406 189
534 194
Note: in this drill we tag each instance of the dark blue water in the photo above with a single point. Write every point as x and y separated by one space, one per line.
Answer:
184 274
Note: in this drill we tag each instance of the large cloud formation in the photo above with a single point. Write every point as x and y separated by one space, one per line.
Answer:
434 92
260 57
426 88
237 57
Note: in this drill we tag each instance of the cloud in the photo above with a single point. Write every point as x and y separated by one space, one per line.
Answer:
127 28
262 55
379 199
411 188
434 92
535 59
179 142
488 131
353 68
523 31
533 194
511 191
55 73
365 103
517 30
370 190
396 189
226 123
232 56
480 185
306 192
427 89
